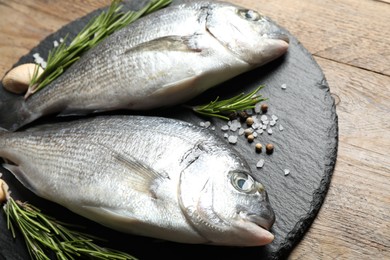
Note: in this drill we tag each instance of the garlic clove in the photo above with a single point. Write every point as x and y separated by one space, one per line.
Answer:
18 79
3 191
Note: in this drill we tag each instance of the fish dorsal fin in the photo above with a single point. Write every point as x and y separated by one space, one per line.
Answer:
171 43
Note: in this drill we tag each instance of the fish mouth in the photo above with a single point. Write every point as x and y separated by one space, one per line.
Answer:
258 220
279 36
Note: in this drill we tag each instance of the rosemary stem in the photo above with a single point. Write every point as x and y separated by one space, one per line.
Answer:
99 28
220 108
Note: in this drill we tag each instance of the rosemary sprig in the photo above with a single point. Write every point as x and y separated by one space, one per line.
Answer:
44 235
62 56
222 108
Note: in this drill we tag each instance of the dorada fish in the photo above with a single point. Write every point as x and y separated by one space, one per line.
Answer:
149 176
163 59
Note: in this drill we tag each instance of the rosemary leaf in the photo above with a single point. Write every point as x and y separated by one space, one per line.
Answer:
44 234
222 108
97 29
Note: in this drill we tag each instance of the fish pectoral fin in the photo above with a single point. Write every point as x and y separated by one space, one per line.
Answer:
74 112
113 215
171 43
141 176
115 218
178 88
19 174
145 173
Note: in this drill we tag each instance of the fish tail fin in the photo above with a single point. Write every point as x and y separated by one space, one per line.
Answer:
14 114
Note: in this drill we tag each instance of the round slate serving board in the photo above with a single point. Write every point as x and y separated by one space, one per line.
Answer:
306 146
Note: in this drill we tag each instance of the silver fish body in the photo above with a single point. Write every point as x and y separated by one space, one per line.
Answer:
150 176
163 59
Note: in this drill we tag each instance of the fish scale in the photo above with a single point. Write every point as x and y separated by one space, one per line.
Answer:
150 176
163 59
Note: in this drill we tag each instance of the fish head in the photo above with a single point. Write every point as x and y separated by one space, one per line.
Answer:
250 36
224 203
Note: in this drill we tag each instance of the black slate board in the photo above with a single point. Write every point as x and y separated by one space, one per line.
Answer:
307 147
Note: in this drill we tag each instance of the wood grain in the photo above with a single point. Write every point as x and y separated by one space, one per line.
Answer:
24 24
354 222
349 31
350 41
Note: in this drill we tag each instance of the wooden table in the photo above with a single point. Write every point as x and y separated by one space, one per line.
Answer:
350 39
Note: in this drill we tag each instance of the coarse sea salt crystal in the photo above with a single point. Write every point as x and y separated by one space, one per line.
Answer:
258 108
226 135
232 139
241 131
213 128
281 128
254 134
269 131
272 123
284 86
260 163
201 124
274 118
286 172
233 128
264 118
38 60
235 125
225 128
260 131
264 127
235 122
207 124
55 44
249 112
248 131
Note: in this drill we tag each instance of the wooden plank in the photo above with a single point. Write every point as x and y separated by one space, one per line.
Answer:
348 31
354 222
29 22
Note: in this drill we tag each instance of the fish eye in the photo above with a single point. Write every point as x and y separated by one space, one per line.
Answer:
250 15
243 182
